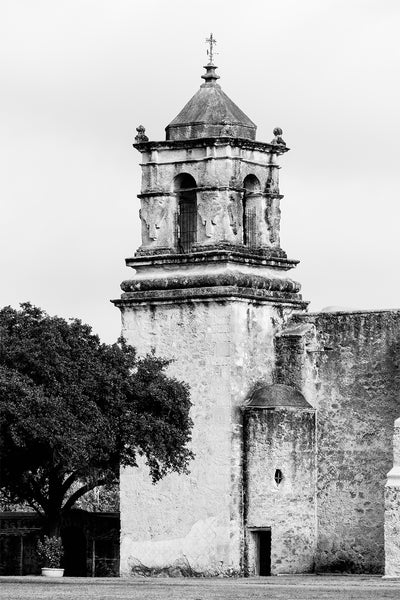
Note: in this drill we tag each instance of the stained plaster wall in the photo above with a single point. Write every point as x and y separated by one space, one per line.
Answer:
281 439
357 395
189 524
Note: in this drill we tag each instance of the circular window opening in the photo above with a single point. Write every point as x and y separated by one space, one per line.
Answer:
278 476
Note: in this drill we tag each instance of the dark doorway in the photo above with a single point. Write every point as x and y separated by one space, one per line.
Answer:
264 552
74 543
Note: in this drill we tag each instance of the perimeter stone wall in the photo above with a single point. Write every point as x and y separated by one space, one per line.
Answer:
357 387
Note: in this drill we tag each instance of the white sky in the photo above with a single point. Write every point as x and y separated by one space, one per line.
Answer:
78 76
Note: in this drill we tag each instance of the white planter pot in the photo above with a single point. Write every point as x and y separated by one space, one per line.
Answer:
49 572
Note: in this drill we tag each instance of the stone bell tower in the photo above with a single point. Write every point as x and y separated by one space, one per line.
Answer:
209 290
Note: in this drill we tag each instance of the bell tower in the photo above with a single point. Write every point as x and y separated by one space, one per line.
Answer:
210 288
210 185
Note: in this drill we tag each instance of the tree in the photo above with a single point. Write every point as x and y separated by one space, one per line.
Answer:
72 410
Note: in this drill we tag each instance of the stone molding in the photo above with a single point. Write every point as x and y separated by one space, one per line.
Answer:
212 141
269 257
211 274
236 279
211 294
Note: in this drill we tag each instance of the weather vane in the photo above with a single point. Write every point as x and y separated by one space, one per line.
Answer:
210 52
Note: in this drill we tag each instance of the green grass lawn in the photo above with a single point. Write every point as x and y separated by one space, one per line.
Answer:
271 588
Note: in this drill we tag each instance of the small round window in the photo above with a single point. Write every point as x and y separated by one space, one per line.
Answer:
278 476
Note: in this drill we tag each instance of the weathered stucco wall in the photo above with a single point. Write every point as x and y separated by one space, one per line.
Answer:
189 524
357 394
281 439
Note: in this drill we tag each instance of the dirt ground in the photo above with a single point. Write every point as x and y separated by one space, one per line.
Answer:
272 588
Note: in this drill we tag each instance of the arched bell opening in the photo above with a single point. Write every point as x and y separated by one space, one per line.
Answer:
185 188
251 185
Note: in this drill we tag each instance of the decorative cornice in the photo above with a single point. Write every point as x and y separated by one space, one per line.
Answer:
215 274
264 257
211 141
210 294
210 188
204 279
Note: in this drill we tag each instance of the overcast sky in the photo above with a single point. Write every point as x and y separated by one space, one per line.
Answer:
78 76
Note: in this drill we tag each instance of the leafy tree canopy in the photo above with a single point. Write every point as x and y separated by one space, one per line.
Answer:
72 410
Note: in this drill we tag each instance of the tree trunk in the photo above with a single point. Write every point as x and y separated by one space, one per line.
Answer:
53 527
53 512
53 521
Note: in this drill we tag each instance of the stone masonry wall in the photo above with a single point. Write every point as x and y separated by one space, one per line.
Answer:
193 524
281 439
357 385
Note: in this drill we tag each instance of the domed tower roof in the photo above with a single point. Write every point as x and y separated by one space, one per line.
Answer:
211 113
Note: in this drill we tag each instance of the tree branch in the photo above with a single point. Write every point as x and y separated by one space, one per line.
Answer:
68 482
29 491
38 495
36 507
81 492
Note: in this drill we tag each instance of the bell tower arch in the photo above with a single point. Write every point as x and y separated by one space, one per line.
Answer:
186 190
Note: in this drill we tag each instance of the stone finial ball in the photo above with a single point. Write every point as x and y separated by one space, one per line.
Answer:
141 137
278 131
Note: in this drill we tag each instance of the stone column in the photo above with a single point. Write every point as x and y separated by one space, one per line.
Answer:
273 219
213 223
263 219
158 217
273 212
392 511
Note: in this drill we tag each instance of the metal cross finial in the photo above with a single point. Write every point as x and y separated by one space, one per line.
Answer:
212 41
